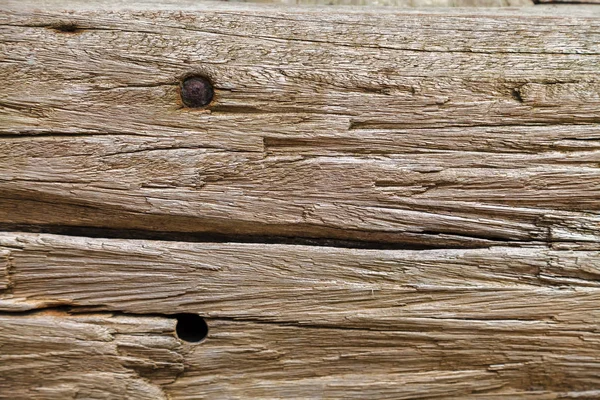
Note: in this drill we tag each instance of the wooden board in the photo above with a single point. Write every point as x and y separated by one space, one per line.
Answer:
349 287
399 129
378 203
567 1
105 356
402 3
302 321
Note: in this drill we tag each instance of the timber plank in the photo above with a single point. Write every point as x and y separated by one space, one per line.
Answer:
99 355
321 131
460 145
384 289
402 3
297 321
568 1
413 198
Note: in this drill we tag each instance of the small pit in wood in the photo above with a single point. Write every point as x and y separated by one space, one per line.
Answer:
67 27
191 328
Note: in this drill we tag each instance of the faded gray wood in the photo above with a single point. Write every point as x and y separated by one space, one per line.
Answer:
300 321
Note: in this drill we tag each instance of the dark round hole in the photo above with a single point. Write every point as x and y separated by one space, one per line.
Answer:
191 327
196 91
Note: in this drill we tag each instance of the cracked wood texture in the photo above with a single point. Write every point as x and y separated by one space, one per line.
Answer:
292 321
372 126
378 203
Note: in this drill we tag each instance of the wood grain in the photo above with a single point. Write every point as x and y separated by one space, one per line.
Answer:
568 1
391 127
378 203
101 355
348 287
300 321
401 3
52 355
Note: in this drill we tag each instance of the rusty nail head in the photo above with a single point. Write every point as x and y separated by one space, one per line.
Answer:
196 91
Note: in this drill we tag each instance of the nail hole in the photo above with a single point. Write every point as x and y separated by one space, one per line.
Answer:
67 28
196 91
191 327
516 94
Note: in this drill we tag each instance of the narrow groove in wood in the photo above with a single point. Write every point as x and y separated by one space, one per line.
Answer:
375 125
74 310
170 236
70 310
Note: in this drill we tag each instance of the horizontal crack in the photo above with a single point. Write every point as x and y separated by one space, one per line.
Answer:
204 237
75 311
377 125
71 310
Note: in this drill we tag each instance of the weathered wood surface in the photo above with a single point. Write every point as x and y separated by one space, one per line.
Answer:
103 356
299 321
567 1
289 283
402 3
52 355
390 126
443 165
